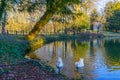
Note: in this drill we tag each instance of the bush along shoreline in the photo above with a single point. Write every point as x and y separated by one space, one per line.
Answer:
81 36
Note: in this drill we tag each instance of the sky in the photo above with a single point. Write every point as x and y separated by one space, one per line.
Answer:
100 4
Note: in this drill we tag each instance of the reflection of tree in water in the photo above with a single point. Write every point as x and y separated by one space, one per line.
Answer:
112 48
80 49
54 50
91 47
99 42
94 45
73 44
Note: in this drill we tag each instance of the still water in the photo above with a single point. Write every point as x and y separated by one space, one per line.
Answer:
101 57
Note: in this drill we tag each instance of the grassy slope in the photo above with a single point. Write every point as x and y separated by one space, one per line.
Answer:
12 49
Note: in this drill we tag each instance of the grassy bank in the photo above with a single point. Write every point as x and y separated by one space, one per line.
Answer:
51 38
14 66
12 49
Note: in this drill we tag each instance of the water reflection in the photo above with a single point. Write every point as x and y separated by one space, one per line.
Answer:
101 58
112 48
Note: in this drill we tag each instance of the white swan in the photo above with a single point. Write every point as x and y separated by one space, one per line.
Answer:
59 64
80 63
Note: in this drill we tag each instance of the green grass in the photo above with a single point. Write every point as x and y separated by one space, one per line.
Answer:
12 49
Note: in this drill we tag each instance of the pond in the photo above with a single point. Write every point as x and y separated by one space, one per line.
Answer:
101 58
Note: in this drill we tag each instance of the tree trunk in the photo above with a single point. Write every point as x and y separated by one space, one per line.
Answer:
4 21
65 31
2 9
39 25
54 27
52 7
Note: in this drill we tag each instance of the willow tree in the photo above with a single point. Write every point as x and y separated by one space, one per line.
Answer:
53 6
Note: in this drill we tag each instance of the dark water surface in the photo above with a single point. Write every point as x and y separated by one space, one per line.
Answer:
101 58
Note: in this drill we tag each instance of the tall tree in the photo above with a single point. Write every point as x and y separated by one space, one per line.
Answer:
94 17
112 12
52 7
3 14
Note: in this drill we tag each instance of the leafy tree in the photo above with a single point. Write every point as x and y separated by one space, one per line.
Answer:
113 16
17 5
88 5
94 17
53 6
80 21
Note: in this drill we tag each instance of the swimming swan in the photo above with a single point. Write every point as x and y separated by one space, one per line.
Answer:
59 64
80 63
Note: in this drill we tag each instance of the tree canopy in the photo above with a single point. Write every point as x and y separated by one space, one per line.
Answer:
74 9
112 11
53 6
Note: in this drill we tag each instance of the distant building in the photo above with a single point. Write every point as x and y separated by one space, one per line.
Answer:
97 26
